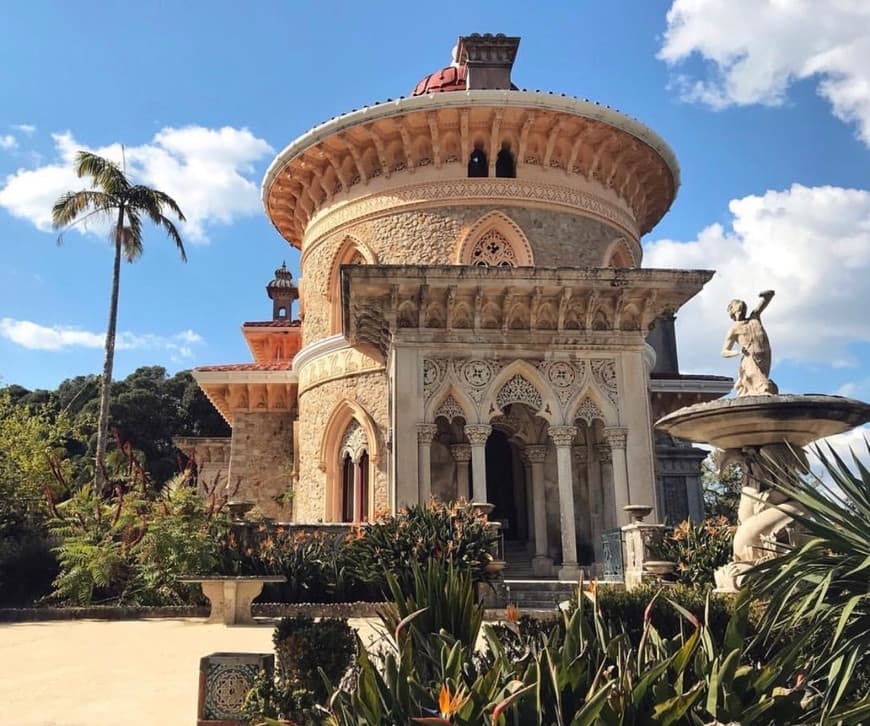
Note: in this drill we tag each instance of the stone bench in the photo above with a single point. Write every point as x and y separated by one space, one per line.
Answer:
231 596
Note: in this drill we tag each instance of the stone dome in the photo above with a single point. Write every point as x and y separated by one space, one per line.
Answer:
283 281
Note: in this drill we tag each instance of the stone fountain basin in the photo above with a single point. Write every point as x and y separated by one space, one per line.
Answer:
734 423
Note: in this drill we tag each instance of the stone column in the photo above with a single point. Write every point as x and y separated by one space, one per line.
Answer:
461 455
477 435
609 518
529 500
425 434
562 437
357 492
542 563
616 438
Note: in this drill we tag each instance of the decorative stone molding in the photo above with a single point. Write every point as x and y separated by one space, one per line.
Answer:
562 435
599 309
477 434
535 453
335 364
603 452
604 375
426 433
450 410
467 191
434 370
461 453
616 436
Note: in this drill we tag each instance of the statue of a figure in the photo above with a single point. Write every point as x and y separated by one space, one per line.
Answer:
748 333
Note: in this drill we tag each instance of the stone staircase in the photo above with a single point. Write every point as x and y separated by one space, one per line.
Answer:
525 589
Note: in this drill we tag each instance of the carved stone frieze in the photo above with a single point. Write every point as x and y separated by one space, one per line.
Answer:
338 364
564 376
588 411
434 370
353 442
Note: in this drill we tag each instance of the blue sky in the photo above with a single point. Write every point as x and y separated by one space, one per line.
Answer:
766 104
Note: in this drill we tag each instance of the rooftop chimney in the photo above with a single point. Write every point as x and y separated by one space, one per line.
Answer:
488 60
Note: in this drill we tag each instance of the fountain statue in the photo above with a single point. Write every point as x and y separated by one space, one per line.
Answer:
761 430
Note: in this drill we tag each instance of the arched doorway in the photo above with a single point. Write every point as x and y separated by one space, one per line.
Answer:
505 485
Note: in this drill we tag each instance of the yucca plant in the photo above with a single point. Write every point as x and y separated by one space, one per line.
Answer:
818 591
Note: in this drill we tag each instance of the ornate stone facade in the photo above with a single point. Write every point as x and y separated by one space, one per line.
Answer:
464 335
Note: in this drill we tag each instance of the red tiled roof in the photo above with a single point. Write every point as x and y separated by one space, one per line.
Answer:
279 365
272 324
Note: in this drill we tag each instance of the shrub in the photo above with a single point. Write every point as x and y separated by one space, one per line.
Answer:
698 549
625 610
422 533
310 654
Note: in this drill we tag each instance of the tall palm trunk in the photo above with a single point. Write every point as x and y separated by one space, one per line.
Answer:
106 381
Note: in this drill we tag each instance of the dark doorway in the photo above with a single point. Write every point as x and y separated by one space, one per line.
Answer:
501 487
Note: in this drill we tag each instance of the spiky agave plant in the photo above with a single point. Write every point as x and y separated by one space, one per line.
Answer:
817 592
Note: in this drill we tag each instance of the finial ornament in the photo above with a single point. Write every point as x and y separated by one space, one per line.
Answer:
748 333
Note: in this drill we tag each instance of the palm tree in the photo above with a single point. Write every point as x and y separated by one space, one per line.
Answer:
113 195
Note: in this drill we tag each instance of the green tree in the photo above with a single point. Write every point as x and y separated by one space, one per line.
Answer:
112 195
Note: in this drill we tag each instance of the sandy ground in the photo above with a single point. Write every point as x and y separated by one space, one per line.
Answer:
129 673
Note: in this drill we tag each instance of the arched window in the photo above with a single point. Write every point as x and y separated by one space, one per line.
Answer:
478 165
493 250
504 163
354 504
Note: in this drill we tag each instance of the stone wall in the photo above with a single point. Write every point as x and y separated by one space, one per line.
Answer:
260 459
431 236
316 405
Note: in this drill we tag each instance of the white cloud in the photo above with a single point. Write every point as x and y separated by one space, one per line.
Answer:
28 129
8 142
755 49
207 171
810 244
34 336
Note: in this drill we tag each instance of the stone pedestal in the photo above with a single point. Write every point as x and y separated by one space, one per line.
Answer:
637 539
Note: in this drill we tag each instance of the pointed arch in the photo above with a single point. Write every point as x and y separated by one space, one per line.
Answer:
351 435
579 407
448 391
350 251
501 232
495 398
619 254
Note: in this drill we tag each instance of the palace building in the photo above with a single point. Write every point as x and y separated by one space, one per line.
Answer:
473 319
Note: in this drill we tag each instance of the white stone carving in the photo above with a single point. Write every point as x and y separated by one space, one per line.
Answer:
519 390
433 373
477 373
588 411
426 432
353 442
604 375
562 435
450 409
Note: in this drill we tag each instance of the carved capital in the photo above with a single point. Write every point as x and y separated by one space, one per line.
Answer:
581 455
477 434
461 453
426 432
562 435
616 436
536 454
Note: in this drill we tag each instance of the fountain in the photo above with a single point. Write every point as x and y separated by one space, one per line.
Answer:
760 430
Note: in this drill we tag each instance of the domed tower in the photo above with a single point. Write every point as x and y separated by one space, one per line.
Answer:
475 315
283 293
